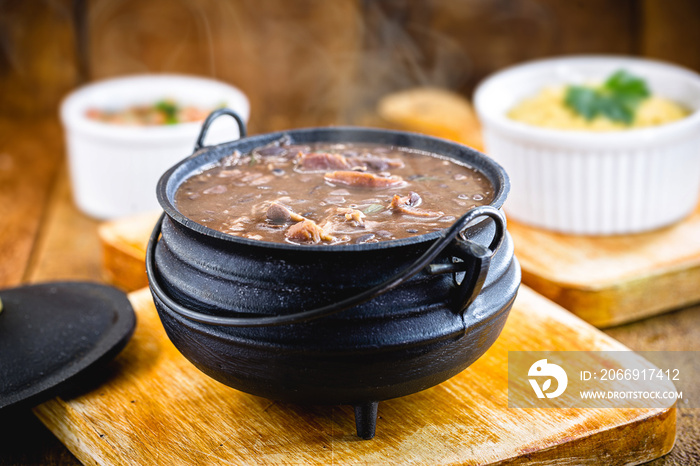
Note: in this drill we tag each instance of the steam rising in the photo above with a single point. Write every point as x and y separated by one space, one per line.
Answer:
301 63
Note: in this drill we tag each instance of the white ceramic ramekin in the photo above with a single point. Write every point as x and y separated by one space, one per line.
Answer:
114 169
594 183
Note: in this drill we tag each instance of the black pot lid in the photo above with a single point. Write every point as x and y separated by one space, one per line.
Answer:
52 332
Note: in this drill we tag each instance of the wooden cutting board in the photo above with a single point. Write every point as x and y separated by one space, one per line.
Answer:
615 279
123 243
151 406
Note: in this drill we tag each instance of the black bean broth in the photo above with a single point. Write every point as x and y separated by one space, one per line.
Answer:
331 193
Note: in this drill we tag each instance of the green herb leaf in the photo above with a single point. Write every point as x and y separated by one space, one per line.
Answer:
169 109
422 178
617 99
627 86
583 100
373 209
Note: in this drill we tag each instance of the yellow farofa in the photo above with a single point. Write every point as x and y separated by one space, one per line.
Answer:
548 110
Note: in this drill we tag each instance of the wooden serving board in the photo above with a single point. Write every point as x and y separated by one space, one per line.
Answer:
123 242
614 279
151 406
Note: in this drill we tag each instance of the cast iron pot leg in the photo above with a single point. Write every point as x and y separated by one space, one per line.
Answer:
366 419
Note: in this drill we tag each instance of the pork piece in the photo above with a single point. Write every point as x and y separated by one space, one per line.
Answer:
364 180
275 151
307 231
353 215
279 214
409 205
322 162
271 151
377 164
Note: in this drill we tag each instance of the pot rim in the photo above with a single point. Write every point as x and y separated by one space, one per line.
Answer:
484 164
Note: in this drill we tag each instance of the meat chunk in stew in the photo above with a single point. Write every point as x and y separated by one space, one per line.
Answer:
409 205
279 214
307 232
353 215
378 164
315 162
364 180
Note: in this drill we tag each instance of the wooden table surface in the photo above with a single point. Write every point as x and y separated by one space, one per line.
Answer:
43 237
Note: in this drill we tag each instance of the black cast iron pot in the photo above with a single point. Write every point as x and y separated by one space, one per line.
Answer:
343 324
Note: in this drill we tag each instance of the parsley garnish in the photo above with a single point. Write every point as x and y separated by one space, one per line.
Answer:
373 209
169 109
617 99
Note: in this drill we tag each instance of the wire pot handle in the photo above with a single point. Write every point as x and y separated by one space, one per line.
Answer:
466 289
210 119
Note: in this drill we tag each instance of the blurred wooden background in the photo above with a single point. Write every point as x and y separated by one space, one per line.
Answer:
311 62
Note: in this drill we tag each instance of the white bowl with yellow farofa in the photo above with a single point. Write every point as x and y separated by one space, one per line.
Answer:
573 167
